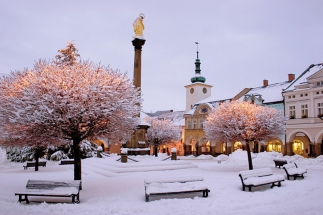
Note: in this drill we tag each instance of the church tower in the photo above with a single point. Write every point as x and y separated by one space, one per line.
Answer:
197 91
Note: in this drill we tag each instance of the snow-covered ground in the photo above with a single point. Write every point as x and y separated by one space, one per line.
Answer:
111 187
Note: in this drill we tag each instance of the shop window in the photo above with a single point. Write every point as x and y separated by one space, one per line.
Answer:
223 148
237 145
274 146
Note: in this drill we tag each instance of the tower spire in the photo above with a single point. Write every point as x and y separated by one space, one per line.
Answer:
197 77
197 50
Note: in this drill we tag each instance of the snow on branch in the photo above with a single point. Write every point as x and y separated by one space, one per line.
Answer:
161 131
240 121
77 101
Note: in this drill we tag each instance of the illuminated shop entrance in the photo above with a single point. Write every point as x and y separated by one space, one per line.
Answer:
237 145
298 147
190 148
205 147
274 145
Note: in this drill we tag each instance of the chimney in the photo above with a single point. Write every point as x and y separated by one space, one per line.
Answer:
265 83
291 77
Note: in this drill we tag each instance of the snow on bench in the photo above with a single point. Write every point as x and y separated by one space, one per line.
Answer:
279 162
33 164
175 185
292 170
66 162
51 189
259 177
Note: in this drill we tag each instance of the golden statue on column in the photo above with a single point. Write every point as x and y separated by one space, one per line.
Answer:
138 27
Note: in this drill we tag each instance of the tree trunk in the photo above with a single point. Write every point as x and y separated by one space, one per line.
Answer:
37 153
77 159
155 151
249 155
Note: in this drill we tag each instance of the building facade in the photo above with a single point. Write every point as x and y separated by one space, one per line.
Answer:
304 106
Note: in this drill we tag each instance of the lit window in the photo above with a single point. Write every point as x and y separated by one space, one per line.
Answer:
297 147
237 145
274 146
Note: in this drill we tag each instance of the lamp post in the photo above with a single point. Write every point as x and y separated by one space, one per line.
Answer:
253 98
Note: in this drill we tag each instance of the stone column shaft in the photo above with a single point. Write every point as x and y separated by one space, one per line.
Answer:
137 43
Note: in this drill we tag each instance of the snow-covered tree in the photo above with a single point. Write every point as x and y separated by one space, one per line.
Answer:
72 101
245 122
161 131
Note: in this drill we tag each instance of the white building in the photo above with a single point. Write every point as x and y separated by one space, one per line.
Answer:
303 100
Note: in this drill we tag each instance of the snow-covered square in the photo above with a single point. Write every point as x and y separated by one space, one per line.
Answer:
112 187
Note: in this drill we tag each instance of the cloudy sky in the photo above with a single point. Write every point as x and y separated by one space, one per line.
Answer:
241 42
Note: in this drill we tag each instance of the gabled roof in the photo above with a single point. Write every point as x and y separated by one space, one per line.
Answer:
316 75
302 79
271 93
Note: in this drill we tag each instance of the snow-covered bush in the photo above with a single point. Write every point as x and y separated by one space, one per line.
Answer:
59 155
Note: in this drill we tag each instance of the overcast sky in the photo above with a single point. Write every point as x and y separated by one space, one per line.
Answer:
241 42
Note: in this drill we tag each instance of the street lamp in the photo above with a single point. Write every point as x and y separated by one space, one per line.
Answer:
252 98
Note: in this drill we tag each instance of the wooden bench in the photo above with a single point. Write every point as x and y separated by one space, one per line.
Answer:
33 164
51 189
292 170
259 177
174 185
66 162
279 162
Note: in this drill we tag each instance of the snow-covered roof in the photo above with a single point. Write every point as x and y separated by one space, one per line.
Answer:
142 116
270 93
213 99
175 117
302 79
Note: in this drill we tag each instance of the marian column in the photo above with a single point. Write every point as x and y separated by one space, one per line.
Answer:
138 138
